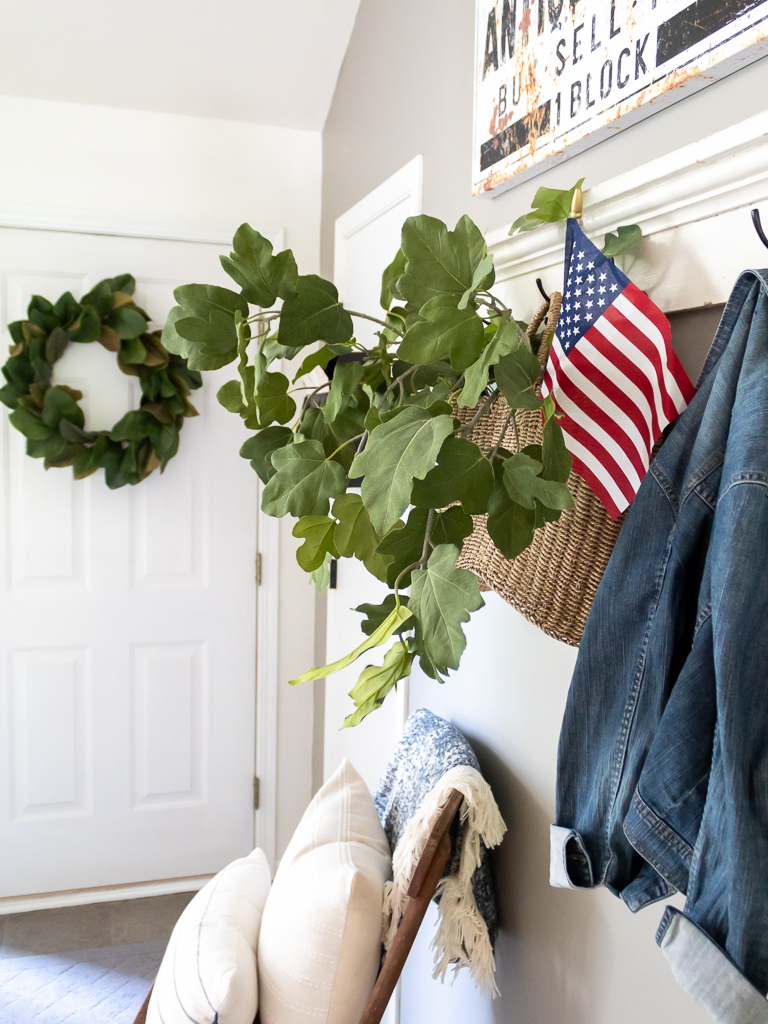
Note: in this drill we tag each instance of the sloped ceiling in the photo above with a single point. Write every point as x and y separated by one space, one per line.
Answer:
267 61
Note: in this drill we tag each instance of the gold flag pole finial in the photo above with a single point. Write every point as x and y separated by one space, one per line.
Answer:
577 204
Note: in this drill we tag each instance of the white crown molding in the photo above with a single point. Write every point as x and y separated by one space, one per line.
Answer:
103 894
724 172
174 229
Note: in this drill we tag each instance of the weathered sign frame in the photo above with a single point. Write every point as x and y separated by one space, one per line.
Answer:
555 77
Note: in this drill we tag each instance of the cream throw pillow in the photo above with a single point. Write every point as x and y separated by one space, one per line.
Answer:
320 942
209 967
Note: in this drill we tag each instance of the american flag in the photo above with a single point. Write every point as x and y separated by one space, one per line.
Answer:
612 374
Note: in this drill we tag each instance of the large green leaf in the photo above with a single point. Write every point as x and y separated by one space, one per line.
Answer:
355 537
347 424
87 326
440 262
516 375
317 532
59 405
259 450
525 484
549 205
441 599
445 333
135 426
30 425
510 526
47 447
56 345
314 314
462 474
505 339
376 681
127 322
389 289
405 543
230 395
263 277
394 622
304 483
272 399
321 576
398 451
201 328
556 458
321 357
376 613
626 236
346 377
67 308
482 279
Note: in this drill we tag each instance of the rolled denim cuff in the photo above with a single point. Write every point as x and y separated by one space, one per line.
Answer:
707 973
569 864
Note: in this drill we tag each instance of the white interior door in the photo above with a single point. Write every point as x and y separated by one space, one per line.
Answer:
127 669
367 238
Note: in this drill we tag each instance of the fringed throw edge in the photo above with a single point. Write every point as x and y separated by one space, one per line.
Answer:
462 935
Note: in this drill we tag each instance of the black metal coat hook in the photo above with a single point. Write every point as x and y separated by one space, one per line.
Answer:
759 227
540 286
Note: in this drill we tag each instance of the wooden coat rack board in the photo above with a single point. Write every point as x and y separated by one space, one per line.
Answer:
423 886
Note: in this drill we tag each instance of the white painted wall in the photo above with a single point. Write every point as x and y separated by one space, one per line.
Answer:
87 166
406 88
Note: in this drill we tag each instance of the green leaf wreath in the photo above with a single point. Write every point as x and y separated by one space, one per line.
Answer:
383 418
48 414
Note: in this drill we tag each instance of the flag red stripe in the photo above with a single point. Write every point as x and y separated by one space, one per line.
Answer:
603 419
612 390
649 350
592 444
605 459
629 368
654 314
596 487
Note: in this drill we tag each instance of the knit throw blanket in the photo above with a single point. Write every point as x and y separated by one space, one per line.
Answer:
431 759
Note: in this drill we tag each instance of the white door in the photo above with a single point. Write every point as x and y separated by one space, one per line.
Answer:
127 668
367 238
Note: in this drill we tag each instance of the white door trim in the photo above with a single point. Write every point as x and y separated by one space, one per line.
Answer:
405 183
173 229
267 596
101 894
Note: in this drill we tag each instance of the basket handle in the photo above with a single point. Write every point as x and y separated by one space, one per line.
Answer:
549 312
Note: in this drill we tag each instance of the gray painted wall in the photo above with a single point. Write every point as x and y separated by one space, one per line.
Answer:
406 88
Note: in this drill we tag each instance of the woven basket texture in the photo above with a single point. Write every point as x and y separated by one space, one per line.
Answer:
553 582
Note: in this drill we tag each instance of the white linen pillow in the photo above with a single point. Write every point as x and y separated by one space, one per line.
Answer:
320 941
209 967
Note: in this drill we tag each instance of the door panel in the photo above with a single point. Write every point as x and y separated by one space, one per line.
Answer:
127 669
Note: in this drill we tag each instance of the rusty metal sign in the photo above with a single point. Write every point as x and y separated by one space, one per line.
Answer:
557 76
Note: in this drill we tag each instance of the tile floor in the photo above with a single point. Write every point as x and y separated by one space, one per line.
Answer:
91 926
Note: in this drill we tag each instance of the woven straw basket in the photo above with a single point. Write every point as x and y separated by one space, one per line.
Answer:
553 582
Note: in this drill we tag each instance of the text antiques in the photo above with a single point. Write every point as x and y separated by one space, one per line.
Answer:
552 74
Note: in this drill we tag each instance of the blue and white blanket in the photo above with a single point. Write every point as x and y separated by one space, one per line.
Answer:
431 759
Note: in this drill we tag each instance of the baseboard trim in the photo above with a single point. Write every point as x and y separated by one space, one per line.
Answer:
100 894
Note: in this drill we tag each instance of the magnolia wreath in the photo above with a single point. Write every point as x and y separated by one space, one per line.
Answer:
49 415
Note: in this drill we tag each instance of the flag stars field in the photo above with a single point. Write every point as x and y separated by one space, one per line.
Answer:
615 379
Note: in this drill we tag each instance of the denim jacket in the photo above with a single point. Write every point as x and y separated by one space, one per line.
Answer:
663 759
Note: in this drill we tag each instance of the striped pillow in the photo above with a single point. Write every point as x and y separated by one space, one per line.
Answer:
208 973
